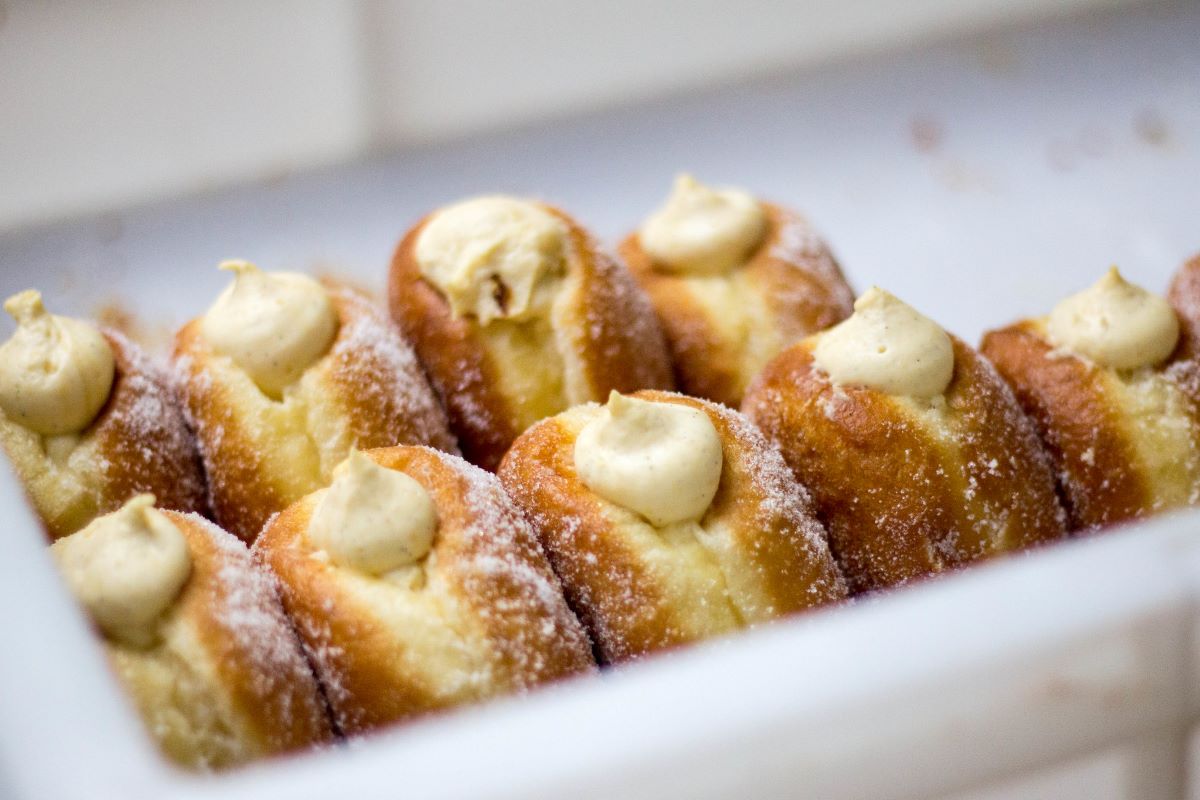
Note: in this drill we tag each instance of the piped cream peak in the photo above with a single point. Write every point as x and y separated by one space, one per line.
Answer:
25 307
373 519
1115 324
55 372
889 346
274 325
239 267
488 256
661 460
703 230
127 568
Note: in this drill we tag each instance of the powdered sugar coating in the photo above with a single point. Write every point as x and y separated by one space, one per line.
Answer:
911 488
612 336
159 448
724 328
1124 443
326 655
255 632
976 417
138 443
501 552
782 495
192 381
381 369
600 334
262 454
758 552
483 615
799 245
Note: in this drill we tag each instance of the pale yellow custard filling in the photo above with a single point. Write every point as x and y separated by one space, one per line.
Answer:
126 568
889 346
1115 324
661 460
703 230
274 325
488 255
55 372
373 519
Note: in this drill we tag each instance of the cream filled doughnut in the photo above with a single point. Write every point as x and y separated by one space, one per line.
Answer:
917 454
516 314
195 632
418 586
734 281
1114 388
669 520
282 377
88 421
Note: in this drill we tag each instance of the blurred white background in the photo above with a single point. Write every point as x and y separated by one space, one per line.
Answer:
106 104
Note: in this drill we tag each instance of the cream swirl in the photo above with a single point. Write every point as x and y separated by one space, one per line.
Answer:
127 568
55 372
889 346
703 230
274 325
488 255
1116 324
373 519
661 460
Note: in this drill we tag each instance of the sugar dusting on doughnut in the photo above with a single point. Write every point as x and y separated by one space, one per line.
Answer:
599 334
911 488
758 551
195 386
783 497
151 430
505 552
262 454
1124 442
385 373
985 404
483 616
723 328
254 624
138 443
797 244
616 288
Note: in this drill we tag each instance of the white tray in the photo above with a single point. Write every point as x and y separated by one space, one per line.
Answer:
979 180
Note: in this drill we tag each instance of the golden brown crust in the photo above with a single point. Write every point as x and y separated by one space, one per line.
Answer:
1184 296
367 391
489 619
906 495
793 276
615 337
1068 401
635 593
242 686
1123 443
139 442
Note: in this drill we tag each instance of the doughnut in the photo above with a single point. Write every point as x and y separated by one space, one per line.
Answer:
195 632
734 281
417 586
1184 297
669 520
917 454
88 421
1114 389
282 377
517 314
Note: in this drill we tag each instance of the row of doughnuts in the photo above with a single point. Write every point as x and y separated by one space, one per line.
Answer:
394 577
